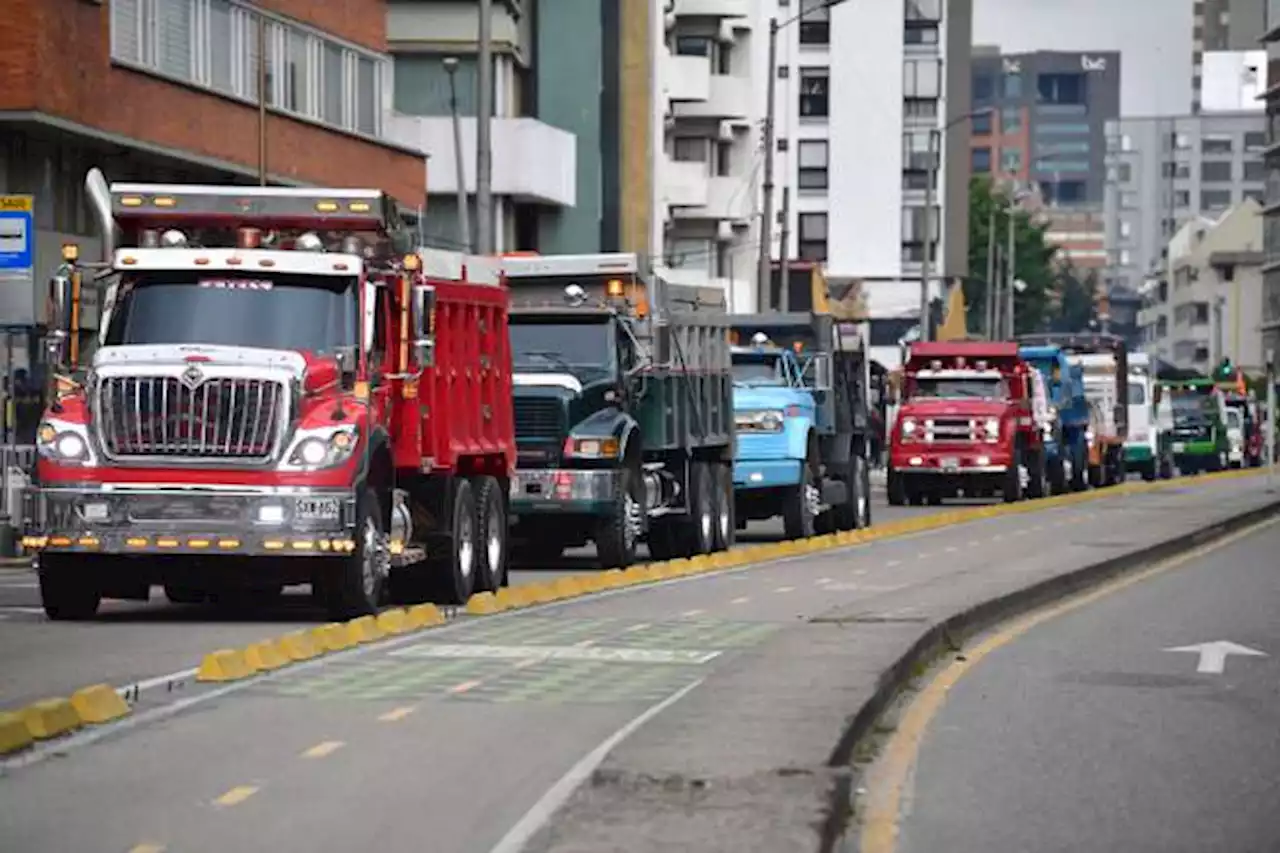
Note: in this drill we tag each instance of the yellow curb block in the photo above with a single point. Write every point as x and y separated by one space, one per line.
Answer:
264 656
483 604
14 734
364 629
665 570
224 665
50 718
638 574
99 703
333 637
612 578
511 597
298 645
592 584
541 593
568 587
421 616
394 621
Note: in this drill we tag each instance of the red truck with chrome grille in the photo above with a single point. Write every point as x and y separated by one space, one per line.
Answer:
285 391
965 425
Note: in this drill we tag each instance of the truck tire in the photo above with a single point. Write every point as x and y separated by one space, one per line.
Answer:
864 494
1095 476
179 594
1166 468
455 573
798 514
1012 489
845 516
1079 473
356 584
1036 474
618 534
664 539
1149 471
1056 474
491 534
726 524
895 489
65 588
700 532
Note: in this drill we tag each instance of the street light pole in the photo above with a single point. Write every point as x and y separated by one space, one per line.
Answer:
484 141
464 212
926 265
1013 268
989 328
764 282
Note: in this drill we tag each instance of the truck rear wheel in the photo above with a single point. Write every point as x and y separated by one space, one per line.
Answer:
455 573
491 535
1036 474
845 516
726 524
701 532
66 589
894 489
1057 475
799 506
618 533
179 594
863 503
1012 491
355 585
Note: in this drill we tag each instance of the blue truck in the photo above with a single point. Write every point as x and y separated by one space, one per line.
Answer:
1066 440
800 414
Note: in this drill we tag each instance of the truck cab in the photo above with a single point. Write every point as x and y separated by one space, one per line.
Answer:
265 406
1146 448
965 425
1066 447
623 416
1198 437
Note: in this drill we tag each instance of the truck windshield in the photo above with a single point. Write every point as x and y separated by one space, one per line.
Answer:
294 312
1137 394
581 349
1234 419
758 370
975 387
1189 408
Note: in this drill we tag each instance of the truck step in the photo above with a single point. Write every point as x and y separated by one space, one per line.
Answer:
409 556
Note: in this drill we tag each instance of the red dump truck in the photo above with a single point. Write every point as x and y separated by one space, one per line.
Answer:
965 425
285 391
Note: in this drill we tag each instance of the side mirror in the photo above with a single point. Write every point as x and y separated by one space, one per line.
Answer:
58 316
347 358
424 323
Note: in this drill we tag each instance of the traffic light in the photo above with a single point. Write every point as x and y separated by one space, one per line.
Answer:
1224 370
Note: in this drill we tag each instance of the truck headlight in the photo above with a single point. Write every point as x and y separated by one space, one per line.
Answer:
323 447
64 442
764 420
592 448
1088 435
992 426
908 427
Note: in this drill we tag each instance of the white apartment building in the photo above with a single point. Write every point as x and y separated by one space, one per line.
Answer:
859 87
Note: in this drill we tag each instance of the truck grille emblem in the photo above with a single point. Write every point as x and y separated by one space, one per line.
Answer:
192 377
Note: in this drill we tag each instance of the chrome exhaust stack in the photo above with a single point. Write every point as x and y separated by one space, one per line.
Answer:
95 185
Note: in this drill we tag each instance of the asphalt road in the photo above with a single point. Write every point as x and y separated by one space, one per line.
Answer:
135 642
1088 734
701 711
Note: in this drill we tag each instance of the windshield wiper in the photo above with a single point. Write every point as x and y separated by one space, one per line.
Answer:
550 355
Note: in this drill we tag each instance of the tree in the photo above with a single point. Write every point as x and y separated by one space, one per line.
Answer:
1035 258
1072 301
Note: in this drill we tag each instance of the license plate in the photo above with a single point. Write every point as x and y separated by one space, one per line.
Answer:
1179 447
950 464
317 509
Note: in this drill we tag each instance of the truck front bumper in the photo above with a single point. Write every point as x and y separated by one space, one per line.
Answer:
956 463
1138 454
560 491
765 473
227 520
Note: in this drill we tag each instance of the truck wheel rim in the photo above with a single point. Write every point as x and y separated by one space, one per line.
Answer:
374 562
631 528
706 523
724 520
812 501
493 544
466 548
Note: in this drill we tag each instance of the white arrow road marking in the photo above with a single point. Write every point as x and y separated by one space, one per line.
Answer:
1213 656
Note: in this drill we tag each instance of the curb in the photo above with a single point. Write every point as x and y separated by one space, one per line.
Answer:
271 654
946 636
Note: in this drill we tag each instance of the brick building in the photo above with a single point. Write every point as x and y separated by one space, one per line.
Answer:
167 90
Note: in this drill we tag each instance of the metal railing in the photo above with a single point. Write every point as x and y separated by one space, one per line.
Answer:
17 462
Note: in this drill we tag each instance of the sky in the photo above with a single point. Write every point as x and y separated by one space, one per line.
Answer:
1153 37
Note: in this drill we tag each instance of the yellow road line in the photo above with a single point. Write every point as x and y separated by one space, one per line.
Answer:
236 795
147 848
465 686
892 769
395 714
320 750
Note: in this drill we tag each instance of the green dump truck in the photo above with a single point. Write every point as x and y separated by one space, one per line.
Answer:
623 410
1195 412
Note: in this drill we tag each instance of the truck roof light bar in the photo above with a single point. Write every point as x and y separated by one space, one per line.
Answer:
606 263
262 207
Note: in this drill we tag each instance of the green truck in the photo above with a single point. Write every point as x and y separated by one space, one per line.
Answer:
623 402
1195 413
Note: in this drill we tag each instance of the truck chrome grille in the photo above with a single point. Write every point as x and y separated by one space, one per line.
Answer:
953 429
539 419
161 417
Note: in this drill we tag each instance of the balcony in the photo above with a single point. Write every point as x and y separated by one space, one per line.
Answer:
684 184
715 9
532 161
729 98
725 199
686 78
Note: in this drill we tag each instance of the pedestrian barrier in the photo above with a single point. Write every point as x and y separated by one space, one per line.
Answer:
51 718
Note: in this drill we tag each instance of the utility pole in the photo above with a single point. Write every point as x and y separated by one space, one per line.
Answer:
784 253
992 291
764 283
464 211
484 142
926 266
997 298
262 101
1011 287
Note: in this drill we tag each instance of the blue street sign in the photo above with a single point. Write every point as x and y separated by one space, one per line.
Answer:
17 233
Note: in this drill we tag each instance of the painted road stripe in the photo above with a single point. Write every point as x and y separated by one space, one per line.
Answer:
785 589
538 653
395 714
236 795
740 600
147 848
320 750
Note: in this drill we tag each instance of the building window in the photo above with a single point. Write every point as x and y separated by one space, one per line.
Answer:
1011 120
813 237
1062 128
1175 170
1254 170
1215 145
1129 200
1011 160
1081 147
1060 89
815 25
1215 199
815 92
1121 173
1012 87
920 108
812 158
915 150
917 180
1255 140
920 34
1057 193
913 224
922 78
694 46
984 88
1181 198
1215 171
690 149
980 160
981 124
924 10
213 44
